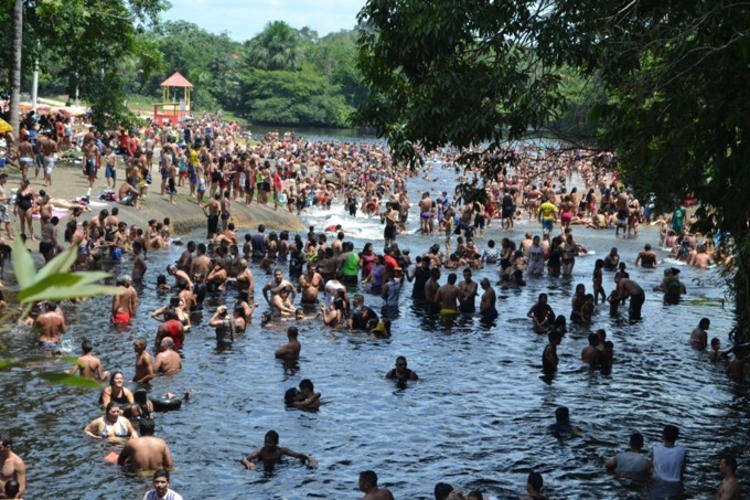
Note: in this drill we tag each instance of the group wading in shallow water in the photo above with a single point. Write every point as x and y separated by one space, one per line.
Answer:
330 282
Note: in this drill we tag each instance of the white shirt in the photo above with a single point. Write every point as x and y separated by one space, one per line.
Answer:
171 495
668 462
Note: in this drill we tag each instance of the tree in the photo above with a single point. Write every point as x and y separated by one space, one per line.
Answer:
277 47
293 97
15 84
88 40
455 72
335 56
674 76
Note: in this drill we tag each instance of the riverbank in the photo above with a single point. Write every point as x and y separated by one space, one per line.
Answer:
68 182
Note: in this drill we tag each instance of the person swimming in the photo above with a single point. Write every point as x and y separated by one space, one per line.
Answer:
562 427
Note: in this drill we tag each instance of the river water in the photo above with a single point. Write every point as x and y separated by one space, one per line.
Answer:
475 419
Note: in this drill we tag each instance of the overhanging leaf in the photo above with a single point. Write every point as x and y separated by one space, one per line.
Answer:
60 264
75 292
7 363
23 265
70 380
61 286
42 285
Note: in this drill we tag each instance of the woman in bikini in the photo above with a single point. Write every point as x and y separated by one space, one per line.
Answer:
111 425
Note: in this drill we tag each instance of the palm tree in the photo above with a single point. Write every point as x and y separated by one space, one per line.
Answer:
277 47
15 69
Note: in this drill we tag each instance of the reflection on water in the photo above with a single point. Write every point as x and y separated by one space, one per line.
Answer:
475 419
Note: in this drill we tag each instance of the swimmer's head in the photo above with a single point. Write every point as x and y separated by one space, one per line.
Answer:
562 414
671 433
536 481
140 396
290 396
636 441
146 427
271 437
442 490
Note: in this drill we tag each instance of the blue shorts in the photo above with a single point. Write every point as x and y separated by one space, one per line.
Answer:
110 172
48 346
547 225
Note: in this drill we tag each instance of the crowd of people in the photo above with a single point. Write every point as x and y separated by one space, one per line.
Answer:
312 277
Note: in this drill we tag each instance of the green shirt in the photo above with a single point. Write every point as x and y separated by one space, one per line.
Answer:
350 266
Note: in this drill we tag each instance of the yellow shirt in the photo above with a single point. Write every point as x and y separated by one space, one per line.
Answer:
547 210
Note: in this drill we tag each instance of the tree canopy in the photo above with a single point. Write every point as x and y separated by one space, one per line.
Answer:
667 88
85 41
104 50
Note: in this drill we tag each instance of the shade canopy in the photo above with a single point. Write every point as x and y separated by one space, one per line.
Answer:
176 80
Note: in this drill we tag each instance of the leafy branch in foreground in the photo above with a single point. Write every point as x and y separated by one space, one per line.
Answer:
54 281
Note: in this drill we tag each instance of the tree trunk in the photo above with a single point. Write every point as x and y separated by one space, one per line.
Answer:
15 69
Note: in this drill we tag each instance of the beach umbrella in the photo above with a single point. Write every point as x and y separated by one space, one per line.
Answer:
185 119
5 126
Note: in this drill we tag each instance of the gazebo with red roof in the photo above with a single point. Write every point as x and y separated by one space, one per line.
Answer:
173 111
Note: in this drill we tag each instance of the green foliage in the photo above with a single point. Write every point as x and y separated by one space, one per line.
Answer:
114 48
54 281
293 97
458 73
89 46
277 48
69 380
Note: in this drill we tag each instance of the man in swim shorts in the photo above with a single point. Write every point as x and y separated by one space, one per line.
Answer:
147 452
49 150
4 199
26 156
129 195
447 297
629 288
125 303
212 216
50 325
487 309
546 215
11 466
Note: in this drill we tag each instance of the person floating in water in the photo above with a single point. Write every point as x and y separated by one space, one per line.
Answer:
271 452
401 373
562 426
